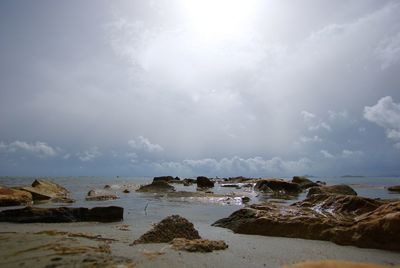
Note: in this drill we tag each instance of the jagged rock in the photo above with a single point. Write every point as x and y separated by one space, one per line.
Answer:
395 188
62 214
340 189
14 197
343 219
163 178
169 228
335 264
100 195
204 182
276 185
188 182
198 245
156 187
304 182
46 190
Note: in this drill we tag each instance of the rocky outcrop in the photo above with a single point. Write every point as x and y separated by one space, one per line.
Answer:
335 264
278 186
156 187
204 182
340 189
188 182
100 195
62 214
47 190
395 188
163 178
303 182
343 219
14 197
169 228
198 245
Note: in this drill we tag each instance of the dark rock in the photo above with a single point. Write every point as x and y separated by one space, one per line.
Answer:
238 179
156 187
62 214
204 182
304 182
107 187
177 179
163 178
340 189
245 199
100 195
198 245
276 185
394 188
126 191
343 219
14 197
237 186
188 182
169 228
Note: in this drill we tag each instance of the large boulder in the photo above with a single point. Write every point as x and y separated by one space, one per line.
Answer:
156 187
163 178
169 228
341 189
14 197
303 182
278 186
345 220
62 214
46 190
100 195
395 188
204 182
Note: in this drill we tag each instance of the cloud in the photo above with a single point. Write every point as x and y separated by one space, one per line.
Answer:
310 139
349 153
388 51
386 114
307 116
40 149
143 144
89 154
314 123
326 154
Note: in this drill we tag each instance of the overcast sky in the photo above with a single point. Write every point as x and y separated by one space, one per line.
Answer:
186 87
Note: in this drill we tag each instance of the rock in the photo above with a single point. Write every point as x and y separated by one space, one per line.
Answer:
245 199
14 197
304 182
204 182
156 187
343 219
335 264
107 187
163 178
341 189
62 214
46 190
394 188
100 195
169 228
188 182
238 179
177 179
276 185
126 191
237 186
198 245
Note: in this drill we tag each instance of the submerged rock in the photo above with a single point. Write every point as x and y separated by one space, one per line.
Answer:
100 195
156 187
62 214
198 245
204 182
14 197
169 228
345 220
341 189
395 188
275 185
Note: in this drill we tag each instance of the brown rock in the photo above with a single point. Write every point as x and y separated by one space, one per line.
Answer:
340 189
62 214
156 187
395 188
345 220
163 178
335 264
198 245
276 185
46 190
204 182
169 228
100 195
304 182
14 197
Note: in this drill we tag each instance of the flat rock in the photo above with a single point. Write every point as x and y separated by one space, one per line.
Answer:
156 187
169 228
395 188
14 197
277 185
198 245
341 189
100 195
62 214
163 178
343 219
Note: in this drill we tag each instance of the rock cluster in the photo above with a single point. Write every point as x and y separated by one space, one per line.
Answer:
198 245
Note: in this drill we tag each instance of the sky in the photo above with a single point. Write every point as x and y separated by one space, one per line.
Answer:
187 88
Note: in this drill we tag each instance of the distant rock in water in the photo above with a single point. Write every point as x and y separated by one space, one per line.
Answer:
204 182
395 188
343 219
169 228
156 187
341 189
100 195
198 245
62 214
14 197
163 178
277 185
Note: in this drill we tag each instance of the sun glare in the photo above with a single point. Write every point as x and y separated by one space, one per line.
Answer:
219 18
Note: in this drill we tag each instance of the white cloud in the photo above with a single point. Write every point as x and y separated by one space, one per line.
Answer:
310 139
307 116
386 114
143 144
388 51
89 154
349 153
320 125
333 115
314 123
326 154
40 149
